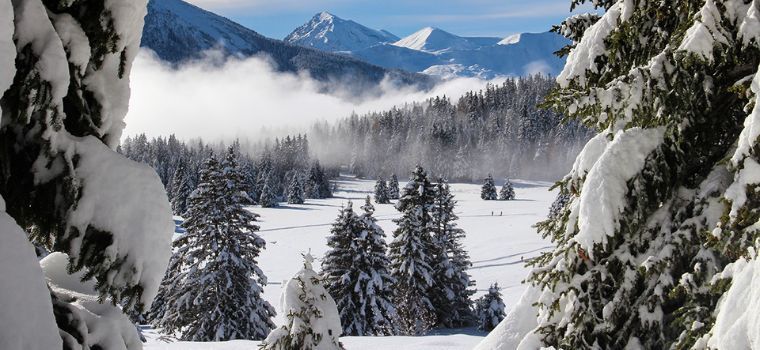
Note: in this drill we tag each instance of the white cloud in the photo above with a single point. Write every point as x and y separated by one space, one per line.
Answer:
240 97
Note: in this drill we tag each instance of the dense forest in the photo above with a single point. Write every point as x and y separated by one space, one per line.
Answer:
499 130
271 171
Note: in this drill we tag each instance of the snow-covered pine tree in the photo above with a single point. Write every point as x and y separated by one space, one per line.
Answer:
488 191
393 189
490 308
372 268
452 285
411 254
168 284
338 263
64 92
268 198
249 181
558 205
381 192
232 172
181 189
355 271
665 197
217 293
317 184
295 190
507 192
312 320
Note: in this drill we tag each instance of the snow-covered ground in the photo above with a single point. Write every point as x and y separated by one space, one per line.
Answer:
499 236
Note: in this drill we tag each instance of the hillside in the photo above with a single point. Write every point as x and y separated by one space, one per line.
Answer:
178 31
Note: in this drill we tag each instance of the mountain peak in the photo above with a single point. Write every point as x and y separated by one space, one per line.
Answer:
325 16
512 39
435 40
328 32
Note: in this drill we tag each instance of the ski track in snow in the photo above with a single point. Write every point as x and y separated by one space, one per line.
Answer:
496 244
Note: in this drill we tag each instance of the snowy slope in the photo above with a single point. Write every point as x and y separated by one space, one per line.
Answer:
176 31
434 51
435 40
497 245
328 32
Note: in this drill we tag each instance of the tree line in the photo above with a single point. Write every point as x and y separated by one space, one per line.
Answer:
500 129
282 171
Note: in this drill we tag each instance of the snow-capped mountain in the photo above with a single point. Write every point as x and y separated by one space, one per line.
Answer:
178 31
434 51
328 32
435 40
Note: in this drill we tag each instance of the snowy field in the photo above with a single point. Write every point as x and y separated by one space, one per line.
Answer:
499 236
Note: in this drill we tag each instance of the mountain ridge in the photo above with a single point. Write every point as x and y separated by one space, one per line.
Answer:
437 52
178 32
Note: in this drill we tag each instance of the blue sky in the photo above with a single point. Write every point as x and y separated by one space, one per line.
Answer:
277 18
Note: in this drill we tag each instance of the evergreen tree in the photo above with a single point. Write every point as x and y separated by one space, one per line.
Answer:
217 293
452 285
660 202
338 262
317 185
268 198
312 315
507 192
249 181
393 189
381 192
64 89
375 293
161 302
355 273
295 191
232 173
181 188
490 309
488 191
558 205
411 254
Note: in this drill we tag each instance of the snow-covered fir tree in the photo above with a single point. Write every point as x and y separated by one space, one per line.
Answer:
312 320
217 293
181 189
375 294
452 285
268 199
339 260
490 308
168 284
317 184
295 190
393 189
656 244
558 205
232 173
507 192
355 271
381 192
248 170
488 191
64 92
412 253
